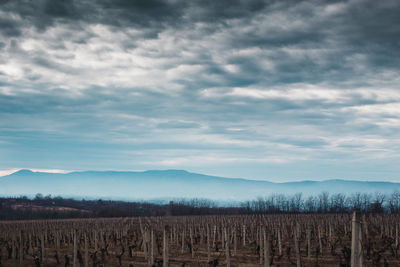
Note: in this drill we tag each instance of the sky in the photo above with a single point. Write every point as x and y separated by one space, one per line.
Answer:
275 90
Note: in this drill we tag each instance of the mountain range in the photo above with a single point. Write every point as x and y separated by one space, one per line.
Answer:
170 184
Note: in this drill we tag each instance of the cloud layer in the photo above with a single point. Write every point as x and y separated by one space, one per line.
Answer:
281 90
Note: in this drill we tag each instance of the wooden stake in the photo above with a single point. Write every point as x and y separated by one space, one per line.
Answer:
297 246
266 247
75 250
165 247
42 248
183 242
280 241
191 241
228 260
308 243
21 248
244 235
234 242
152 248
355 240
86 252
208 244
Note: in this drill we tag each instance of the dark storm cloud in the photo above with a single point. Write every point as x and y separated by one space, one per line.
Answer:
343 28
9 27
44 13
130 12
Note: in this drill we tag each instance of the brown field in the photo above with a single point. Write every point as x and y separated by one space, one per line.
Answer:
37 208
290 240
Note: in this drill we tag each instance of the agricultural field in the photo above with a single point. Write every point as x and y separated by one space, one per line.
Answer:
245 240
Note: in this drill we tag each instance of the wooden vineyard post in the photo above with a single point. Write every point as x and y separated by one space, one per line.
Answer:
45 235
208 244
183 241
356 250
152 247
228 260
58 244
308 243
146 243
280 241
13 247
244 235
222 238
214 235
86 252
95 240
297 245
75 250
266 247
171 237
234 243
191 241
320 240
42 248
260 243
21 248
176 236
30 249
165 247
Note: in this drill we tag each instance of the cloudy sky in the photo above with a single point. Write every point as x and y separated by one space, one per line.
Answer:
276 90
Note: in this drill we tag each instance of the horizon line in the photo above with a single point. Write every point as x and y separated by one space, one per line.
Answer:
4 173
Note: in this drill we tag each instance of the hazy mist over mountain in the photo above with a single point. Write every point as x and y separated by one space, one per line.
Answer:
169 184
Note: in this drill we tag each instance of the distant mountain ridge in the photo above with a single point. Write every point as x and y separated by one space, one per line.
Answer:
170 184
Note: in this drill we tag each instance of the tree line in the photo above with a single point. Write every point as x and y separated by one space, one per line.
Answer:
48 207
325 203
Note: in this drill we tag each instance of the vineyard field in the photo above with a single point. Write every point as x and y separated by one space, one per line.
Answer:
285 240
